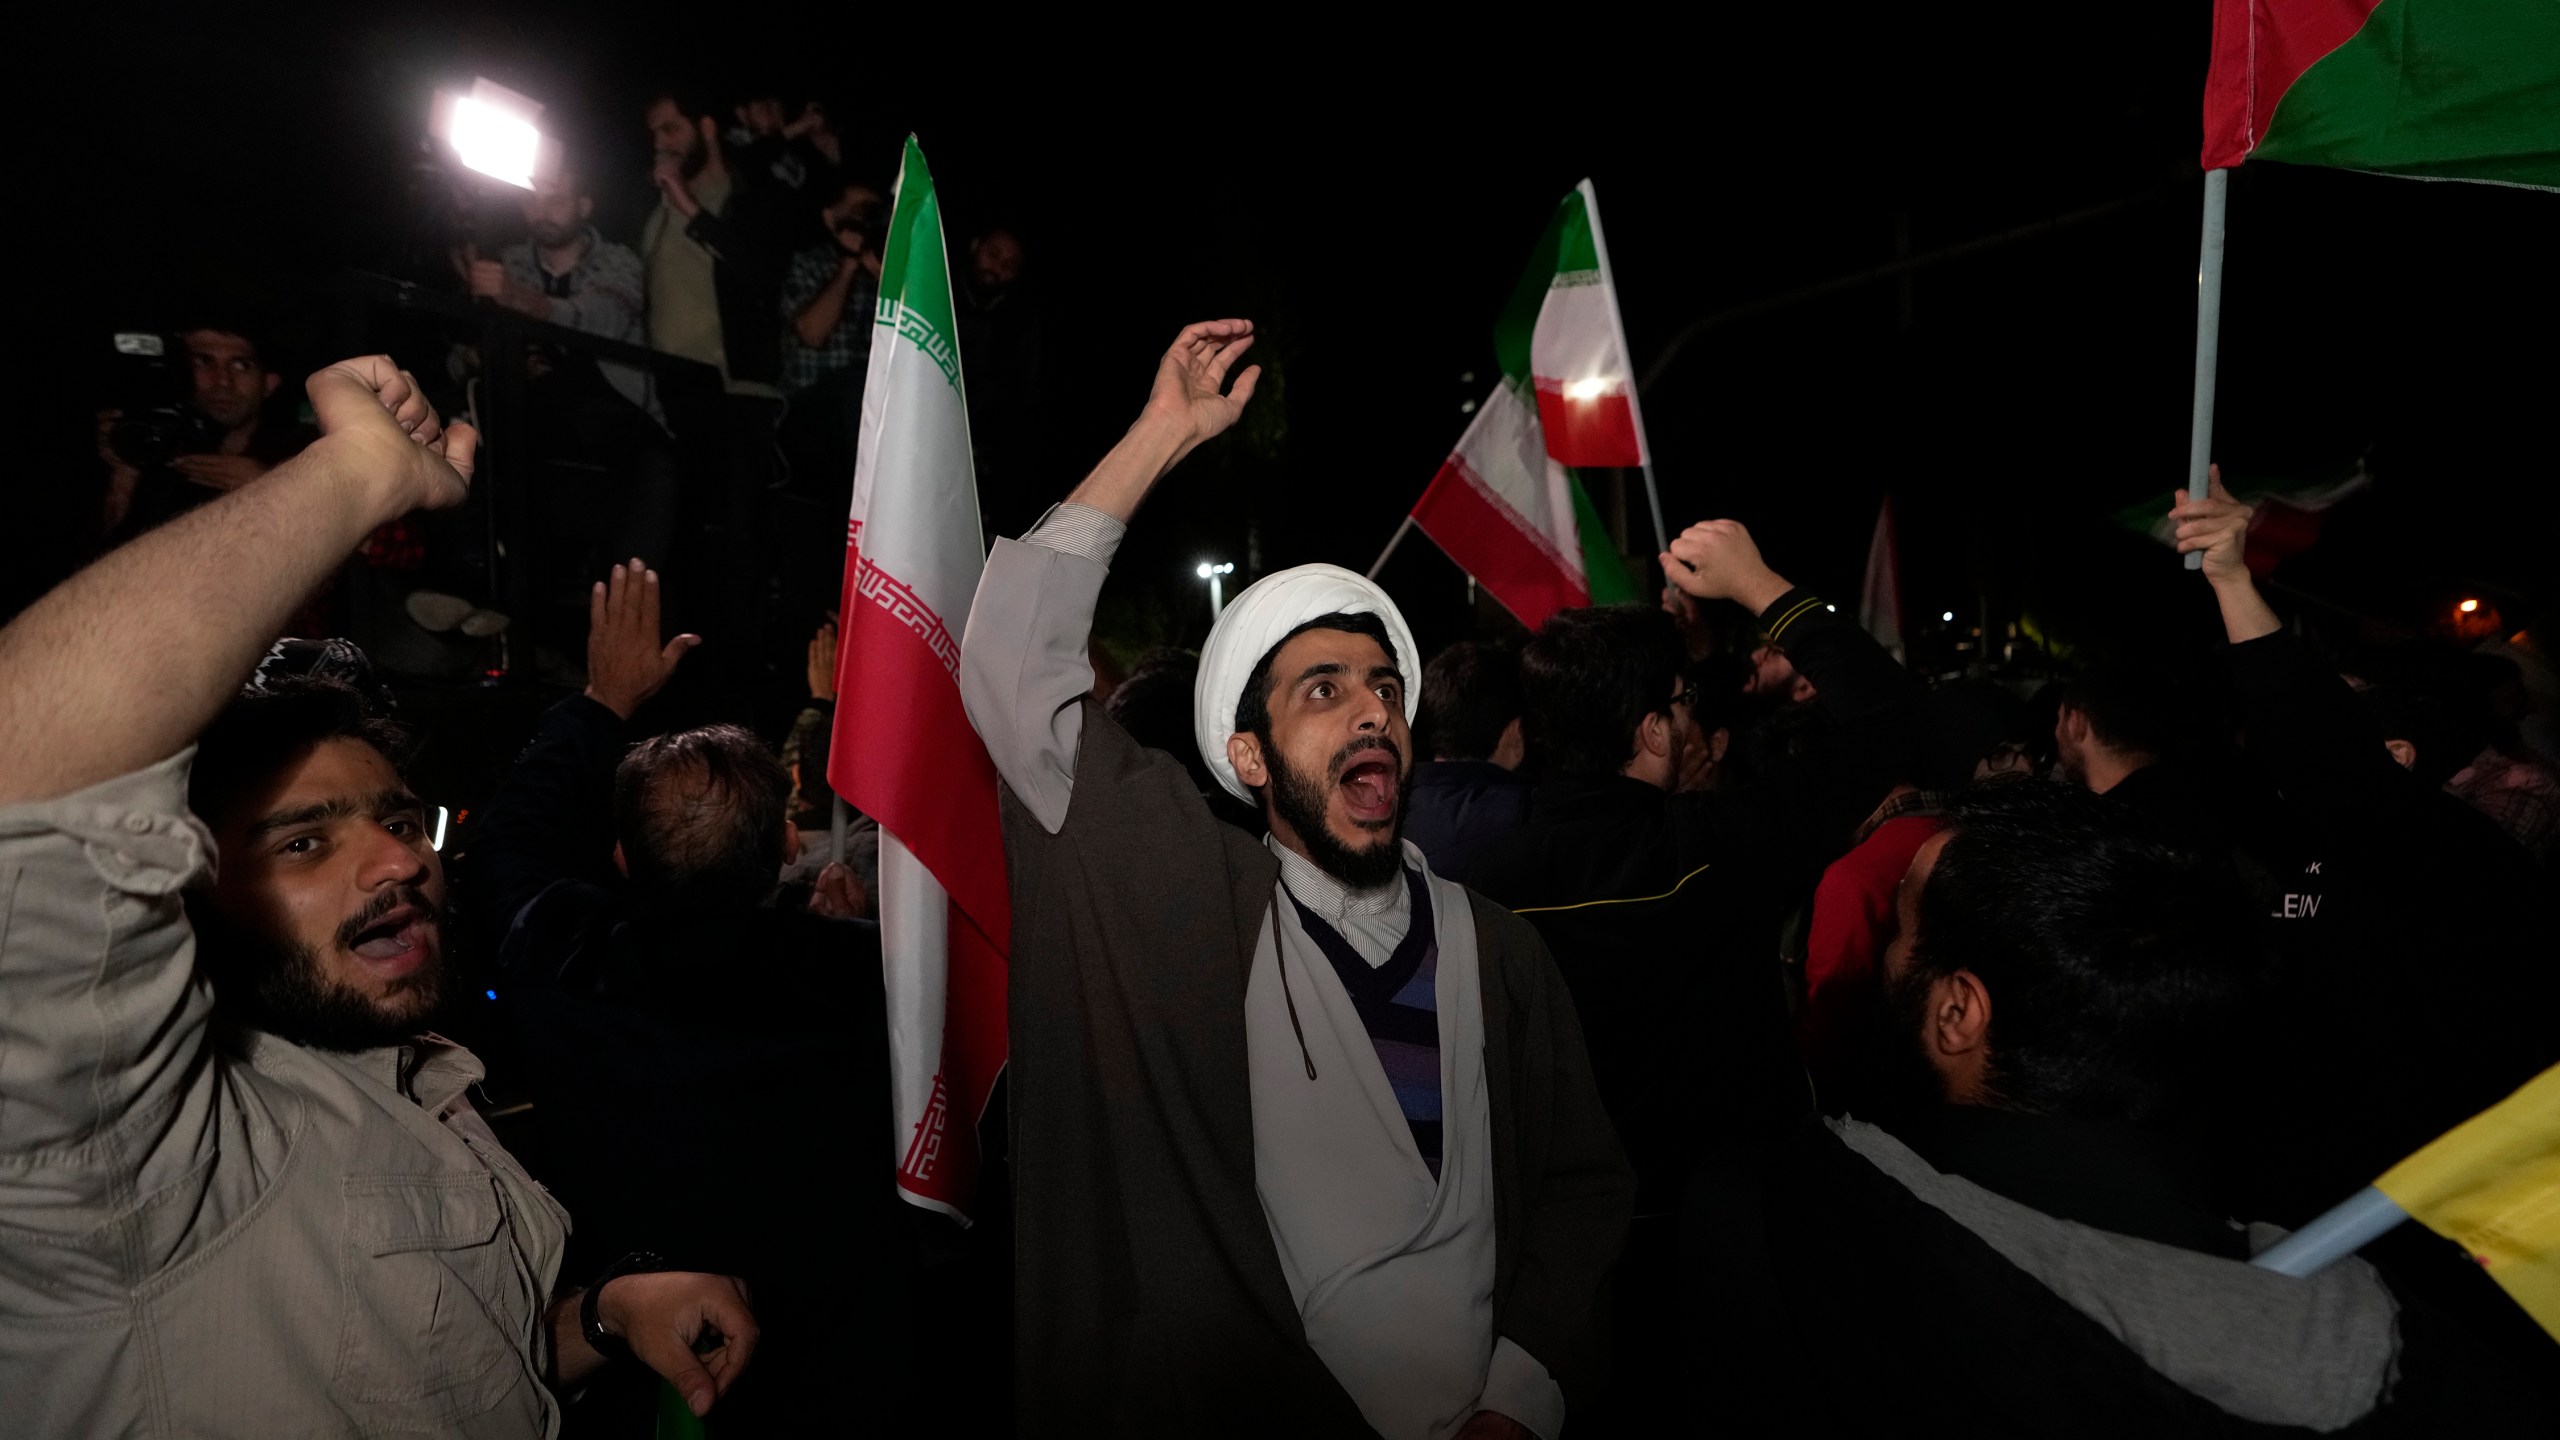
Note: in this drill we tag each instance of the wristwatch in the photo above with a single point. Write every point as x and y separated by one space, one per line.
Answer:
604 1343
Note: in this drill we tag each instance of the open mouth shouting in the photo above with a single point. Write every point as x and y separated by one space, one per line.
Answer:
1368 780
393 940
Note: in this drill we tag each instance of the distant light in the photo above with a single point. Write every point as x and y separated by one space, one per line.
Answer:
438 842
1203 572
2468 606
1466 407
1834 609
492 994
1586 389
1948 616
492 131
1206 569
495 143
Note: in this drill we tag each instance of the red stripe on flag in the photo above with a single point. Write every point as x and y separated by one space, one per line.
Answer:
942 1160
1490 541
904 752
1581 433
2260 47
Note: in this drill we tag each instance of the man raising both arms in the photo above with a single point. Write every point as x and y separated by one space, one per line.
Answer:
241 1192
1305 1140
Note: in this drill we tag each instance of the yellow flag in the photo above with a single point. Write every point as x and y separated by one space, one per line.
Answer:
2492 1186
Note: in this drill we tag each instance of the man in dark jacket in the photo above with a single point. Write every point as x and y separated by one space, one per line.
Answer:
710 1069
1470 790
2032 1244
714 251
1305 1141
1663 910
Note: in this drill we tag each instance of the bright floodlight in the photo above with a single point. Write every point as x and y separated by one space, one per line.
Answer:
491 130
2468 606
1591 389
1203 572
1947 615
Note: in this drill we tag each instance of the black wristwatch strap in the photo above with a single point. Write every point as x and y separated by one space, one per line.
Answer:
610 1346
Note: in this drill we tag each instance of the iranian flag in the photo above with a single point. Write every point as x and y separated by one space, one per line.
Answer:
2438 89
904 751
1507 505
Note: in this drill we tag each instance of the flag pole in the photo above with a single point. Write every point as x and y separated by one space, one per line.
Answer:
1635 403
1392 542
2217 188
836 827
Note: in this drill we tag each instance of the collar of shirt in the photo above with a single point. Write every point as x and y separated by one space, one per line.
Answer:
1373 920
428 1069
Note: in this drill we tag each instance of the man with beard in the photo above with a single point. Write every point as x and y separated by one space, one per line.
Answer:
1304 1138
612 481
714 251
229 380
2031 1244
251 1196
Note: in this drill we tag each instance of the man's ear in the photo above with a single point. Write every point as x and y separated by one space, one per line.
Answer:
2404 752
618 862
1653 734
1244 752
2075 725
273 380
790 841
1802 690
1959 1022
1512 748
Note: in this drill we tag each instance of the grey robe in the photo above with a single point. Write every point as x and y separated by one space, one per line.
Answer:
1149 1296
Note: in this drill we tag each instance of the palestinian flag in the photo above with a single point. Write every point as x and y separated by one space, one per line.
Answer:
904 751
1507 505
2437 89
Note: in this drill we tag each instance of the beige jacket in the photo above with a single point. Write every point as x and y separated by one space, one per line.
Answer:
207 1231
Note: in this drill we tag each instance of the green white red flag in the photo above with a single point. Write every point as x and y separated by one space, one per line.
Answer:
1507 504
2437 89
904 751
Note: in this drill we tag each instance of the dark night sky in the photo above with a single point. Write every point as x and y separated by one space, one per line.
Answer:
1368 198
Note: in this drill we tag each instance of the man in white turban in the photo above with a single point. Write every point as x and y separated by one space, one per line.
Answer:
1304 1137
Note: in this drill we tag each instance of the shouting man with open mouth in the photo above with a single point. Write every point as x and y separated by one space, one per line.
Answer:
1305 1140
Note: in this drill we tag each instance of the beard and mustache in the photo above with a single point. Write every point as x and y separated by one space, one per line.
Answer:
1304 799
284 988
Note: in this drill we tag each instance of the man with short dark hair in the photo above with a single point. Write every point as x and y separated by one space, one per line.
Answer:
1304 1136
828 295
713 251
1469 791
2033 1229
1663 909
613 484
241 1189
229 383
709 1058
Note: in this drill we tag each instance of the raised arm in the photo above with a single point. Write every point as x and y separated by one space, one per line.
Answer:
1023 664
552 819
1803 815
121 665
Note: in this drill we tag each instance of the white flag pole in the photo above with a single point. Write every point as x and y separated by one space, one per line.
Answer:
2217 187
1635 409
1392 542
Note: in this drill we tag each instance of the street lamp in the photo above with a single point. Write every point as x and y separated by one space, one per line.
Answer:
1217 586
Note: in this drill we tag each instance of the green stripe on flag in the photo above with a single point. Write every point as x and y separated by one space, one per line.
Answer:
915 270
1565 249
1603 573
2467 91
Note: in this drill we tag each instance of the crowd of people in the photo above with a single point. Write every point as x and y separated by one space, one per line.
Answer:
753 276
1610 1030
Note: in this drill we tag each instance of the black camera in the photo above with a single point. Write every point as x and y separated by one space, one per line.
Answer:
153 385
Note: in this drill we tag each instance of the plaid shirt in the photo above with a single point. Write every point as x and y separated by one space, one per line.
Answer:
846 346
2522 796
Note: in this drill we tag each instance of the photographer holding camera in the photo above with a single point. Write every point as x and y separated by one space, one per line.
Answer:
827 299
166 454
